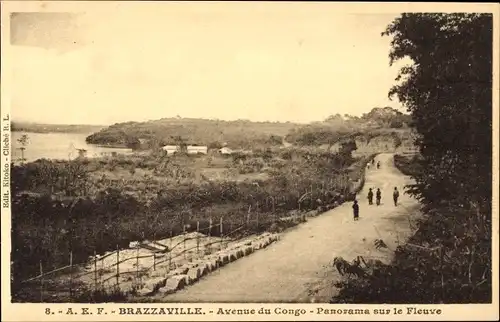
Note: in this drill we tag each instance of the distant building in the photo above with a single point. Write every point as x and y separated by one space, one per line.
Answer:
225 150
190 149
193 149
171 149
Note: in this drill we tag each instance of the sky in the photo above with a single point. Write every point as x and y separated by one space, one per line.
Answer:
257 61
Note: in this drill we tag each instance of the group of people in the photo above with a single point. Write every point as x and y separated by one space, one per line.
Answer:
373 163
378 195
378 198
370 196
395 196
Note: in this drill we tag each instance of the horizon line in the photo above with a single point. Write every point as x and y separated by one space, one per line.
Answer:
205 119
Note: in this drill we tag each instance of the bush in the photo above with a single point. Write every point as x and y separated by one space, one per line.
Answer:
450 267
408 165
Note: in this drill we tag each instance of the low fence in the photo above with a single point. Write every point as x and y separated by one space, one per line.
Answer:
112 272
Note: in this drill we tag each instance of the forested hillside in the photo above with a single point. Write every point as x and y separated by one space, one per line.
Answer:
246 134
242 133
384 121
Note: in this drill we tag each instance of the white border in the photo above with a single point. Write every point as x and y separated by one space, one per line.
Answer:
35 312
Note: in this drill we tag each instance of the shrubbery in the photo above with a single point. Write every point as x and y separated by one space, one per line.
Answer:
408 165
49 223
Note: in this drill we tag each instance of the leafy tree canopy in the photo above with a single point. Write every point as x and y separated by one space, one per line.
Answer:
447 89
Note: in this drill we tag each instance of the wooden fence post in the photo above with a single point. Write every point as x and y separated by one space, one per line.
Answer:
247 223
117 267
221 232
198 238
154 254
311 198
137 263
70 274
41 282
170 251
184 240
95 270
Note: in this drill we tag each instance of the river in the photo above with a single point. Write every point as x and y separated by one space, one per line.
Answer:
57 146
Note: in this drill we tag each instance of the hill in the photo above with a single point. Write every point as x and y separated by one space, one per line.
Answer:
247 134
383 124
241 133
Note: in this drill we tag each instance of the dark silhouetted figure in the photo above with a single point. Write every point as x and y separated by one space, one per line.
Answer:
395 196
370 197
379 196
355 208
378 165
373 161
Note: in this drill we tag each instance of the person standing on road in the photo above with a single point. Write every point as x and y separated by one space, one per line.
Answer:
395 196
355 208
379 196
370 197
378 165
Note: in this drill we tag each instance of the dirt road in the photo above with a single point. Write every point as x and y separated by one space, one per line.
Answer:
298 267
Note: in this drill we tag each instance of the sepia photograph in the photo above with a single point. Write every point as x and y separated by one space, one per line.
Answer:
260 152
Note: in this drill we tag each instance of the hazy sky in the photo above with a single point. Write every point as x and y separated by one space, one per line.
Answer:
256 61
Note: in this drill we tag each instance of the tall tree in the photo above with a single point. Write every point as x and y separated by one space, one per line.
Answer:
448 90
23 140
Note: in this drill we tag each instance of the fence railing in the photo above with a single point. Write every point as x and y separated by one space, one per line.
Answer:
72 274
166 259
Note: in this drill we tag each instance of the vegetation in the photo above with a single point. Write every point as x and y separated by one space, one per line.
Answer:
213 133
448 90
53 128
250 135
409 165
23 141
88 205
379 122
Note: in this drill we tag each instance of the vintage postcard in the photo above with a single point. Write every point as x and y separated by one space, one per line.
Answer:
281 161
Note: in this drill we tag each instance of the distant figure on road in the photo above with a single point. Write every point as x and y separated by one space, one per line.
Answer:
378 165
370 197
355 208
373 161
379 196
395 196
